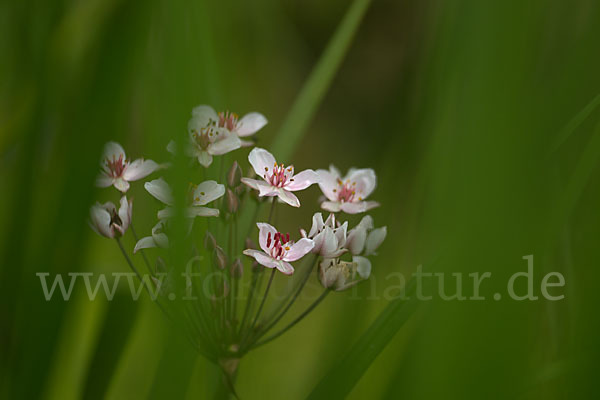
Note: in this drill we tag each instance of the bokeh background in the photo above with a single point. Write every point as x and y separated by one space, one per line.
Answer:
464 108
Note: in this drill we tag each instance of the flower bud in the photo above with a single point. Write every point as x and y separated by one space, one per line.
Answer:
219 258
209 241
234 175
337 275
232 202
237 269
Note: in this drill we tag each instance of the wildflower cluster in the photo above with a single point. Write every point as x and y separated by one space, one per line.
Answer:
228 321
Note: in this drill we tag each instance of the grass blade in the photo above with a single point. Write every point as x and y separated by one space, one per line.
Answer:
574 123
319 81
340 380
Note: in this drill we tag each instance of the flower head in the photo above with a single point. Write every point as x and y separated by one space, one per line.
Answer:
329 237
199 195
363 239
278 180
347 194
107 221
278 250
246 126
118 171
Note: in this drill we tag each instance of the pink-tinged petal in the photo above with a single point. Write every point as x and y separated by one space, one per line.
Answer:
139 169
317 224
341 233
204 114
100 220
262 161
288 197
160 190
121 184
252 253
206 192
299 249
333 170
328 182
356 240
250 124
331 206
360 207
264 231
229 143
366 222
265 189
285 267
374 240
252 183
363 266
192 212
104 180
113 150
125 211
144 243
302 180
330 244
365 179
204 158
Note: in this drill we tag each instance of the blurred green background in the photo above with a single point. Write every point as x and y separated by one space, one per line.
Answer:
460 107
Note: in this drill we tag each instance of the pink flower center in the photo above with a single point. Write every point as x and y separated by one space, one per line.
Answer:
278 244
228 120
279 175
206 136
116 167
346 191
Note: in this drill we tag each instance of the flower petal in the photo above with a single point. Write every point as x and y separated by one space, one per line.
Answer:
206 192
285 267
204 158
288 197
113 150
357 208
356 240
365 179
229 143
340 234
144 243
329 245
328 182
299 250
250 124
263 232
202 115
100 220
331 206
363 266
261 160
139 169
104 180
374 240
317 224
160 190
121 184
125 213
302 180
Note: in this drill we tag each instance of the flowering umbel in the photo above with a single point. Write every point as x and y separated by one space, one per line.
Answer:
227 321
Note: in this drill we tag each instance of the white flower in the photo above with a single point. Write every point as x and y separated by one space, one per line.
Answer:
329 239
248 125
341 275
158 238
278 250
201 195
117 171
279 180
347 194
364 238
107 221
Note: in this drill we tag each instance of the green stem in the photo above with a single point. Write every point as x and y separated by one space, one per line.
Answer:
294 322
262 303
135 236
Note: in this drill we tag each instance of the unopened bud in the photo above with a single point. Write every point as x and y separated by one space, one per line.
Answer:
219 258
209 241
237 269
234 175
232 202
